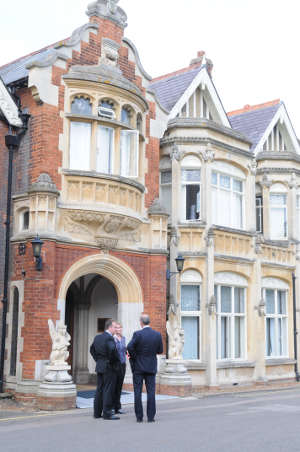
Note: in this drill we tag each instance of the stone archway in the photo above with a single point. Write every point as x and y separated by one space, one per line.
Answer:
127 288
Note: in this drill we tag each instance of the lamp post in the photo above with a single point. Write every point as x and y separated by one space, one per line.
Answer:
37 252
179 265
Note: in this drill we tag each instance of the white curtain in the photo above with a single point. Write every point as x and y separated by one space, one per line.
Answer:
225 208
237 211
105 150
80 146
271 337
129 153
191 331
278 219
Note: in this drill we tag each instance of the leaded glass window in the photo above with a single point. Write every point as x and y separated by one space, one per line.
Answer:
237 185
231 322
276 322
190 298
166 177
125 116
191 175
279 200
224 182
81 106
214 178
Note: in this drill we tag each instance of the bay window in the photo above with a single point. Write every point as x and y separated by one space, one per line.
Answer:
80 145
231 316
227 200
278 211
129 153
191 313
105 149
276 317
190 188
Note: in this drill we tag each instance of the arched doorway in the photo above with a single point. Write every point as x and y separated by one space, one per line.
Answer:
92 290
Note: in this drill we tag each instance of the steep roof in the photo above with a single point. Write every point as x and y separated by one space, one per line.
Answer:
170 87
254 120
11 72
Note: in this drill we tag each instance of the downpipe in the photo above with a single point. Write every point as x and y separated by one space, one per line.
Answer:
295 327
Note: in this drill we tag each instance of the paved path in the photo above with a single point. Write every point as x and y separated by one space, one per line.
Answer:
244 422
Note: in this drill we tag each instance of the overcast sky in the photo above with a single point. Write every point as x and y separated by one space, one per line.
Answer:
254 45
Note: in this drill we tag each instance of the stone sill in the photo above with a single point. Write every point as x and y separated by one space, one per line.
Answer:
192 224
194 365
217 228
234 364
233 257
279 361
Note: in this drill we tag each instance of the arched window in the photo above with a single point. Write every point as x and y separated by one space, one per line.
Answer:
190 305
139 123
81 106
278 211
24 220
106 109
191 188
227 195
125 115
14 333
230 293
274 292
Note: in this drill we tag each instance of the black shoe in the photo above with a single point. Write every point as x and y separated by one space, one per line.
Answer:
139 420
151 420
120 412
111 418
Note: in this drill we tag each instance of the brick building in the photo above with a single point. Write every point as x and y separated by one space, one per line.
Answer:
104 145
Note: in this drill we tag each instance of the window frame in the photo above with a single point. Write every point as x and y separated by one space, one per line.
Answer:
192 163
260 214
232 192
197 314
231 315
277 192
277 316
21 220
161 187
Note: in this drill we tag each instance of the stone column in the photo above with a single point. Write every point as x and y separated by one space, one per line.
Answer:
81 371
257 332
208 300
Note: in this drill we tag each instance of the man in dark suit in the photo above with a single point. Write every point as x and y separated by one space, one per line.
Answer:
105 353
143 348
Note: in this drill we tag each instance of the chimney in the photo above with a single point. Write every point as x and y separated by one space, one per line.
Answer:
201 59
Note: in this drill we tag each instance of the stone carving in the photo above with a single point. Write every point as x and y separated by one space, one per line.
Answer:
293 183
131 236
208 154
174 237
113 224
132 224
175 153
44 184
212 305
210 238
113 6
265 182
253 167
257 245
158 208
60 343
175 368
191 276
106 244
57 371
229 169
274 283
231 278
74 228
86 216
261 308
172 305
8 107
165 163
110 52
176 341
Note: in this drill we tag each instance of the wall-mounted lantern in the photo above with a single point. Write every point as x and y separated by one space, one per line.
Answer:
179 264
37 252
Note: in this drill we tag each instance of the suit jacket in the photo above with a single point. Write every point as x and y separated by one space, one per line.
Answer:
104 352
143 348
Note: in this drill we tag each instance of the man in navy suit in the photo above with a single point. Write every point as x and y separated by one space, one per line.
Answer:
143 348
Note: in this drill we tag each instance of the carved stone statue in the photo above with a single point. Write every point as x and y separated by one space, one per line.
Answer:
176 341
60 343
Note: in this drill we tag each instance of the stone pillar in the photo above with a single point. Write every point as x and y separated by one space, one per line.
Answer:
81 371
257 329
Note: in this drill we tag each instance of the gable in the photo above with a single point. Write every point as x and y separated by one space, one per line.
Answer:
8 107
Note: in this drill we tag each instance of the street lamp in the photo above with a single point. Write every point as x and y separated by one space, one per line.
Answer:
37 251
179 264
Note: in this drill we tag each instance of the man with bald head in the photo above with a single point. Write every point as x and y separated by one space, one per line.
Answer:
143 348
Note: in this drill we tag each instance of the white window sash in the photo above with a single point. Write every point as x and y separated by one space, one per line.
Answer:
129 153
105 149
223 209
80 146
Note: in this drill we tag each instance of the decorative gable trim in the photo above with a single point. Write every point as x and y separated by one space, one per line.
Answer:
8 106
281 115
202 77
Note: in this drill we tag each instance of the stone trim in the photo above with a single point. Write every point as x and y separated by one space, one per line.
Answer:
274 264
233 231
8 106
207 124
137 56
153 92
192 365
94 174
233 258
107 9
270 170
76 36
277 155
279 361
47 62
204 141
235 364
192 225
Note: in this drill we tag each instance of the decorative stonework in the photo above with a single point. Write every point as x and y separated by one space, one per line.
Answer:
175 153
229 169
261 308
257 245
172 305
208 154
211 306
210 238
230 279
108 9
265 182
293 183
274 283
113 224
191 276
174 237
190 161
8 107
176 340
86 216
106 244
165 163
110 52
158 208
44 184
253 167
